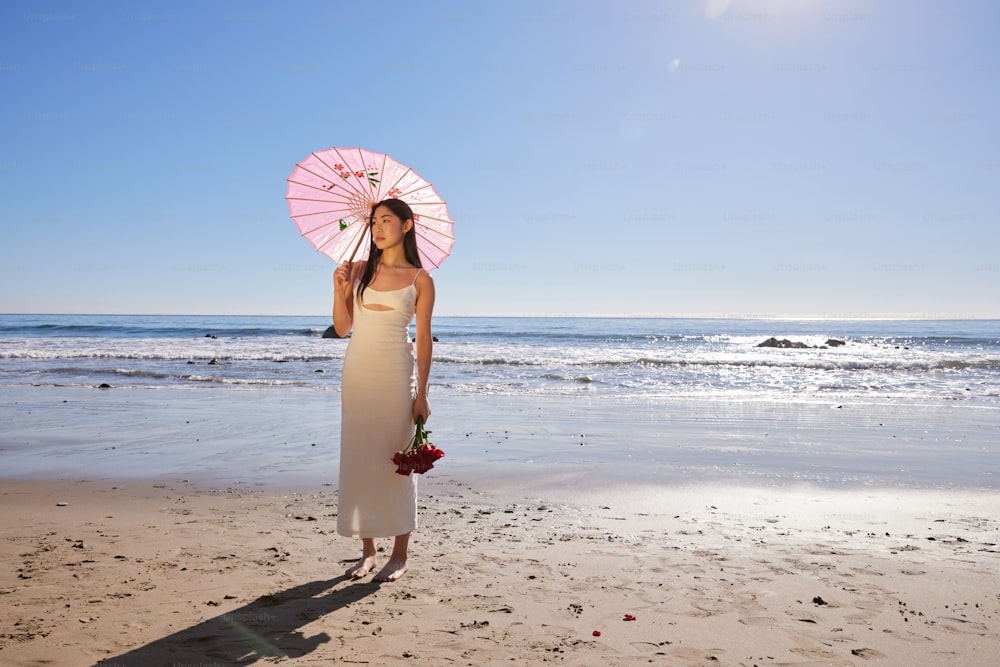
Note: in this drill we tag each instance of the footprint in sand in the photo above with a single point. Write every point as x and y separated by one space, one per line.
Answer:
758 621
962 626
868 654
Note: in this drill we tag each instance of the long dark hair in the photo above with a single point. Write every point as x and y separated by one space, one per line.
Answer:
403 211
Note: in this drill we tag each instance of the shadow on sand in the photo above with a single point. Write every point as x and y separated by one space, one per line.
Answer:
267 628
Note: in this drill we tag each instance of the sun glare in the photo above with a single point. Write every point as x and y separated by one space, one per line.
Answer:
716 9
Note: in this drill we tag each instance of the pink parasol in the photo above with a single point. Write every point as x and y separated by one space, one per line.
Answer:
331 192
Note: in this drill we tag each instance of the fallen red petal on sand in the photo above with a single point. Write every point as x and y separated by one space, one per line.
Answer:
597 633
629 617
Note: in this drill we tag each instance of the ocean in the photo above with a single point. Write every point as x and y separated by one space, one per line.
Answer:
553 405
880 360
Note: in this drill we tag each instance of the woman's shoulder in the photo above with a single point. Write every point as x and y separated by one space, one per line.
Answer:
423 282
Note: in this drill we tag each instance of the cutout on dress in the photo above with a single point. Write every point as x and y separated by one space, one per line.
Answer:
378 306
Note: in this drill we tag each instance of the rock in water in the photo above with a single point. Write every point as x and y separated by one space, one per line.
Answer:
784 343
331 332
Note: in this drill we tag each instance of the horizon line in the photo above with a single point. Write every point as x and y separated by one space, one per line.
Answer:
875 316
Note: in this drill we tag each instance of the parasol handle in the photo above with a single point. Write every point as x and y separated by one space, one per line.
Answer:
356 246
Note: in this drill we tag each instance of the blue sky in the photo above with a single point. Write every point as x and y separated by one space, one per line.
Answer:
815 158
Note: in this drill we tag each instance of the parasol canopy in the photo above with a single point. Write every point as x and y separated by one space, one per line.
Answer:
331 193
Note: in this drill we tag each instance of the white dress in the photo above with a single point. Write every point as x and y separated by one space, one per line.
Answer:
377 396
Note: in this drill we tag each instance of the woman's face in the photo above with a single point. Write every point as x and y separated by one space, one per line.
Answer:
387 228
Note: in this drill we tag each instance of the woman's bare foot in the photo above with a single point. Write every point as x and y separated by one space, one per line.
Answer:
392 571
396 567
362 567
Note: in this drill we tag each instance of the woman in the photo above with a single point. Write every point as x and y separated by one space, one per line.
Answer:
380 397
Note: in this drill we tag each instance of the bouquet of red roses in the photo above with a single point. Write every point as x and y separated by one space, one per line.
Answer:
419 456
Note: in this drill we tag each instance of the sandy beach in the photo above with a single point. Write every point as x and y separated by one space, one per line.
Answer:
175 573
184 528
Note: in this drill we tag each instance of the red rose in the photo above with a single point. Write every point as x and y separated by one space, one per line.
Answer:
418 456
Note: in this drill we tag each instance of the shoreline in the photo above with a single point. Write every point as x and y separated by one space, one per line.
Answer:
288 439
158 573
